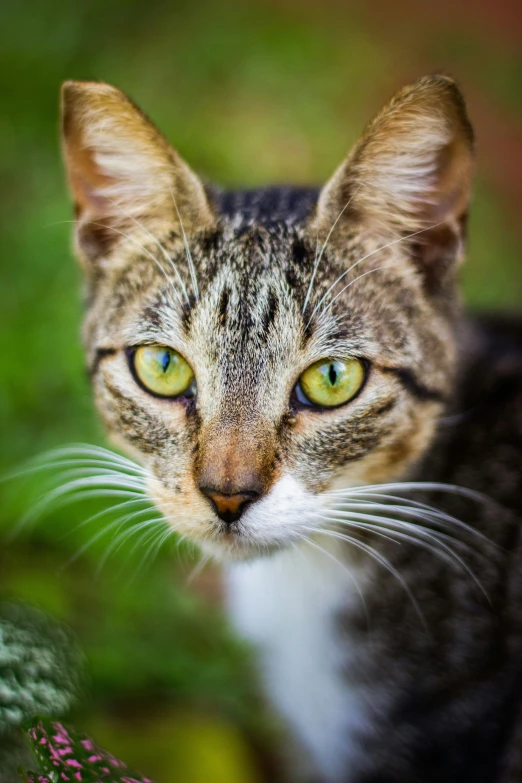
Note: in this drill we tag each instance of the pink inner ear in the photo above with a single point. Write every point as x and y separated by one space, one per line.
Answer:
95 235
91 198
122 172
85 178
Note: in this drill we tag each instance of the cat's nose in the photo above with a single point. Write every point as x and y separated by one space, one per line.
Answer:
229 507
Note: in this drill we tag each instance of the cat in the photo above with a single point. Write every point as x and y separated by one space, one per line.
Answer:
294 369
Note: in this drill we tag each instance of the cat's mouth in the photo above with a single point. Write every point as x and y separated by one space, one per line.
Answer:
235 543
284 515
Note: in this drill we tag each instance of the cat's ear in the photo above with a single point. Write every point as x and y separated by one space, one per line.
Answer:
410 172
123 175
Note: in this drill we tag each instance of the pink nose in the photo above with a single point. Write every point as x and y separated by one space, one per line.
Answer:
229 507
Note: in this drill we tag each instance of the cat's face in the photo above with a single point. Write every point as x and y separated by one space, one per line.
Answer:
242 442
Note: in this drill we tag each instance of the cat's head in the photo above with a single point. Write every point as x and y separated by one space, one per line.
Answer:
258 352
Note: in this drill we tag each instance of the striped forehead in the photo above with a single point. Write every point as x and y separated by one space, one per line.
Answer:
247 323
253 282
245 331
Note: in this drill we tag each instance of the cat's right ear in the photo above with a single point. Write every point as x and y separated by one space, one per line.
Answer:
125 178
408 178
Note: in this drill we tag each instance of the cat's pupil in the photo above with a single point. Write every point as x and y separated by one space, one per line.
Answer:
165 361
332 374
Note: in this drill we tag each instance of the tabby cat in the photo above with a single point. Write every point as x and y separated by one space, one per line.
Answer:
293 370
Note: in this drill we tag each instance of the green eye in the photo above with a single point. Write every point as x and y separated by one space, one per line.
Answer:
163 371
331 383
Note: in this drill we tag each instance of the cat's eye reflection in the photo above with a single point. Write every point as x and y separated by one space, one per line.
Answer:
162 371
330 383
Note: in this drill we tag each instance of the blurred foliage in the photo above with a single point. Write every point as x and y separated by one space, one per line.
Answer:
249 92
39 667
40 672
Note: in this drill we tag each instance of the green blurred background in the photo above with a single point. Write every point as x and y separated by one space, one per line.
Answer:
249 93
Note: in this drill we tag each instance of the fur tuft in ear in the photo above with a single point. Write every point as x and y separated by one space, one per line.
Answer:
410 172
122 172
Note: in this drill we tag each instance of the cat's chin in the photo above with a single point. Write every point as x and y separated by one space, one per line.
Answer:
236 548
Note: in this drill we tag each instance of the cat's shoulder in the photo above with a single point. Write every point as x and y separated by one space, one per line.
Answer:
482 435
494 373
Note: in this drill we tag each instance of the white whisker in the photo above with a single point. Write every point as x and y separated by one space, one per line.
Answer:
85 547
345 569
122 537
109 510
187 249
442 520
323 248
158 243
34 514
369 550
198 568
364 258
356 525
429 539
77 455
146 251
381 490
349 285
159 538
154 259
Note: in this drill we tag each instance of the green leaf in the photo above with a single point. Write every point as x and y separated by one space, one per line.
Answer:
67 756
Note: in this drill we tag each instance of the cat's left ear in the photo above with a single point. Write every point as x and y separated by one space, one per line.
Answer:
410 173
124 176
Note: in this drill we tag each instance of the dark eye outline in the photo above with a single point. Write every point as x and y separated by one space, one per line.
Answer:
187 396
299 401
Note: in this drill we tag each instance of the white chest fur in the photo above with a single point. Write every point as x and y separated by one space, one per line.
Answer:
287 605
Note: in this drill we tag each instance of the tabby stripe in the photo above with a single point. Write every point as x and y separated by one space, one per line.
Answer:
412 385
270 312
123 397
99 356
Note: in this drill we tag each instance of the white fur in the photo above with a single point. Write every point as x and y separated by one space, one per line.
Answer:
287 604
